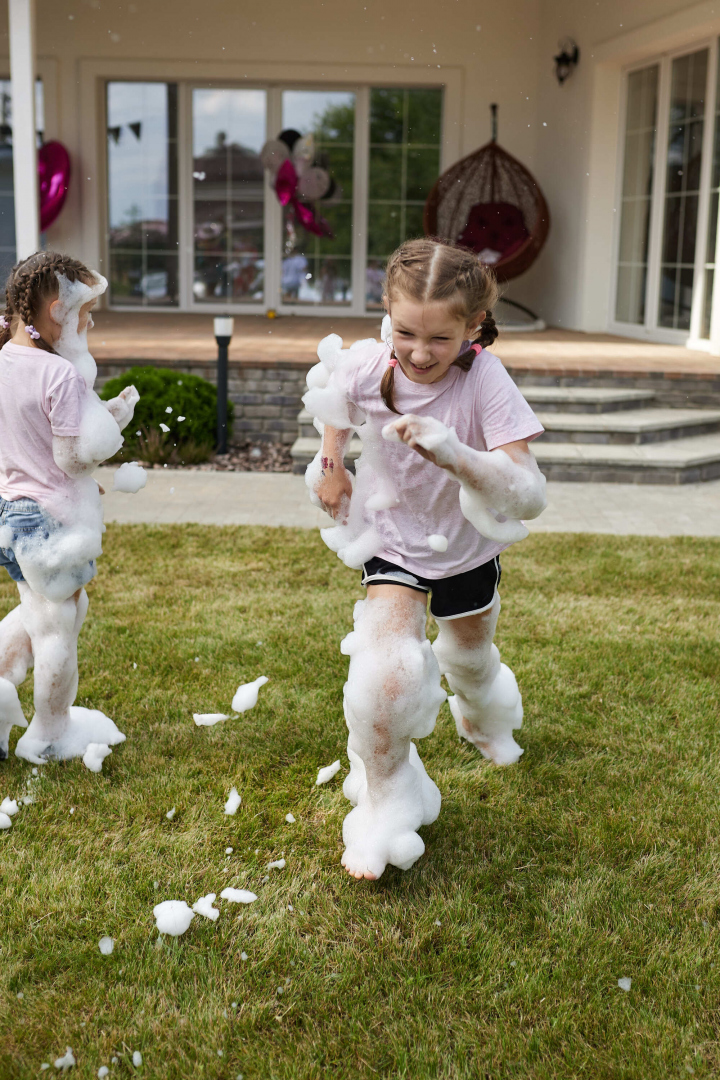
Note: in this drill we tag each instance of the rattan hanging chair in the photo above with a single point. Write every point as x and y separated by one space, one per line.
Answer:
490 203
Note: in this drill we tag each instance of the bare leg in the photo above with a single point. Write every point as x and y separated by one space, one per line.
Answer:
487 706
392 695
15 658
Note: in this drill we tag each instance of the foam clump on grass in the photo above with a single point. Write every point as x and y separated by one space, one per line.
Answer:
204 906
233 801
625 984
173 917
326 774
9 807
102 1071
5 821
137 1059
94 756
66 1061
106 945
290 818
207 719
246 695
130 478
171 814
279 864
238 896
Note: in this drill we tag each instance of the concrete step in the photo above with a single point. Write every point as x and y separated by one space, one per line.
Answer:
677 461
639 426
585 399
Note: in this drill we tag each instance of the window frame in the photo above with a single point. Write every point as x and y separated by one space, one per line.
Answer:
273 210
651 330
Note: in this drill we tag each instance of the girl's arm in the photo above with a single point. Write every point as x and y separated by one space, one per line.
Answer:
122 407
334 487
506 478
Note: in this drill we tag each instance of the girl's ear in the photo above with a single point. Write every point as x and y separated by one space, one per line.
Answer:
473 326
53 311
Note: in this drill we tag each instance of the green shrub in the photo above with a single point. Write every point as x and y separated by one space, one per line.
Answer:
190 440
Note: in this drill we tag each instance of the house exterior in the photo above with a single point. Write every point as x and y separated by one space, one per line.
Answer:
165 108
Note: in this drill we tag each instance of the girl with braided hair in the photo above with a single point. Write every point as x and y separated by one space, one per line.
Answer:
444 477
54 431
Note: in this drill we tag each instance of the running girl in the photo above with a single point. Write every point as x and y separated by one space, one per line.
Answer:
447 433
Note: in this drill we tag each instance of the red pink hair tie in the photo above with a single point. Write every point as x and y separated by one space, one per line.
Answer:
392 362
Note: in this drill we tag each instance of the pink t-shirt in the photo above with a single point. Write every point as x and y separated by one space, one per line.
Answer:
486 409
41 395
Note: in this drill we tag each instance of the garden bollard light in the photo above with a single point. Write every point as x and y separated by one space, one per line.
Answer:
223 327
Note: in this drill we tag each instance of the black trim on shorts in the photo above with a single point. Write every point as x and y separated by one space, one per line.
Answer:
453 597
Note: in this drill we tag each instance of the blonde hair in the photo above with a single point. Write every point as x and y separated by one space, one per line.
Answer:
430 270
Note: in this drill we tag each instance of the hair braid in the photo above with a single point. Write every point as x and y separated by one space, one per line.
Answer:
434 270
33 282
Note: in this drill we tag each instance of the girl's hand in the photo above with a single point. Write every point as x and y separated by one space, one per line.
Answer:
428 436
122 407
334 492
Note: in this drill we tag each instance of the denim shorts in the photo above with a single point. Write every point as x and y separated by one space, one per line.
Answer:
26 520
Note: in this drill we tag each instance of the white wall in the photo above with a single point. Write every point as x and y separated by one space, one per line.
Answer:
509 59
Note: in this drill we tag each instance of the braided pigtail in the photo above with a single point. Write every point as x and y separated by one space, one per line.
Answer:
32 284
430 270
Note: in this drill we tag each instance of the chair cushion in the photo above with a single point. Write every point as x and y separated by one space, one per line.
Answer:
497 226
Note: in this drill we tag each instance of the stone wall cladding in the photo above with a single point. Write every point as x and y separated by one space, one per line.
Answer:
267 399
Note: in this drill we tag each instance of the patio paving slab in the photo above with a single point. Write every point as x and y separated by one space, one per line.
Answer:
250 498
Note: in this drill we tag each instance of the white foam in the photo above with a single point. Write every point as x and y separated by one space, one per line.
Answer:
279 864
9 806
171 814
208 719
246 695
94 756
173 917
204 906
290 818
233 801
625 984
102 1072
238 896
86 726
137 1059
438 542
5 821
326 774
106 945
130 477
66 1061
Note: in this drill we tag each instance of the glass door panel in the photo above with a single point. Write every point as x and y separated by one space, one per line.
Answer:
711 241
317 270
688 94
405 138
142 193
640 132
228 195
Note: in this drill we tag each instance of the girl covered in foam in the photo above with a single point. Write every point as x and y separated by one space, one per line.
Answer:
54 431
443 480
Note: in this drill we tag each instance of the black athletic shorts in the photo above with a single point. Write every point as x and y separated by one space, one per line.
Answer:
452 597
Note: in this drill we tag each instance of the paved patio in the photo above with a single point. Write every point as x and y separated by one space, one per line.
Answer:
236 498
168 338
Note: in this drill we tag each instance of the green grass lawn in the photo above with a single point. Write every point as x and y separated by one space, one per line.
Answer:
498 955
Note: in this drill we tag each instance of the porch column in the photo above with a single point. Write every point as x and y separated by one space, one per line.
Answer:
22 77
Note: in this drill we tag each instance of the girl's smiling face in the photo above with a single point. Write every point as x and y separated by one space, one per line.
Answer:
427 337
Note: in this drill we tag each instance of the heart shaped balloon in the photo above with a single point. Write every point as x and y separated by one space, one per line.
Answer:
53 177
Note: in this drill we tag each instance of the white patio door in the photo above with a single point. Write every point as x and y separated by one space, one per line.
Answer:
669 187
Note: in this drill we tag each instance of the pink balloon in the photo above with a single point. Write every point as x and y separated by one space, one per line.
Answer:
54 178
286 182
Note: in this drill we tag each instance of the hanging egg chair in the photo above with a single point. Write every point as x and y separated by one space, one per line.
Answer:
490 203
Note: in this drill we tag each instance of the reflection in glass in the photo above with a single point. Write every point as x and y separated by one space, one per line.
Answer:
142 193
229 196
684 158
318 270
405 137
711 240
7 194
640 133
